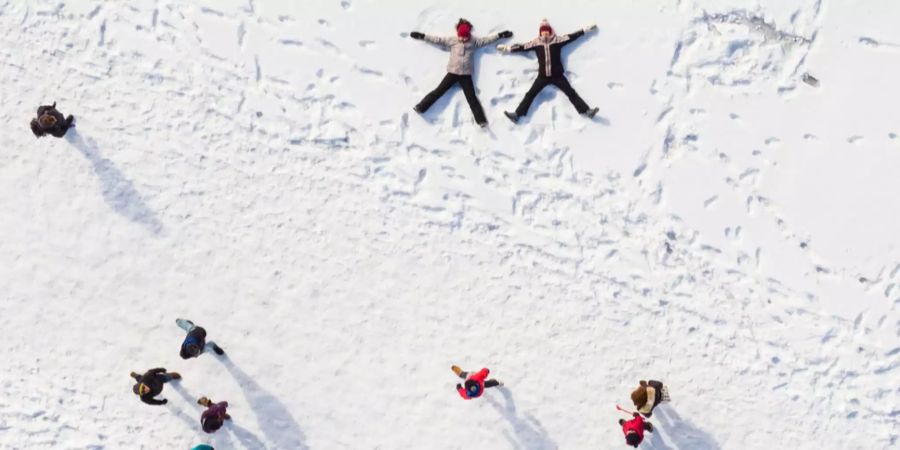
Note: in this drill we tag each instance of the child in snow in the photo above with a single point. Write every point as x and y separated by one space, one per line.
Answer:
195 342
50 121
474 384
548 46
203 447
648 396
214 416
150 384
459 70
634 429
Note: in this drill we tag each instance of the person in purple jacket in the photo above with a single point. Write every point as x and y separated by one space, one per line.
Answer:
215 415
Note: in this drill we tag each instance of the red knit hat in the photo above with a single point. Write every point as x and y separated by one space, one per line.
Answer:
545 26
464 30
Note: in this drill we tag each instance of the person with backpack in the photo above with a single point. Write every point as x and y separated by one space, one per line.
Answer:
634 429
50 121
462 49
475 383
548 48
648 395
214 416
150 384
194 343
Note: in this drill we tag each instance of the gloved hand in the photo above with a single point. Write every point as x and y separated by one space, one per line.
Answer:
164 401
417 35
504 48
458 386
505 34
589 28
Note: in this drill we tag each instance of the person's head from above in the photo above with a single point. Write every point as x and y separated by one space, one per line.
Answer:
141 389
464 30
192 349
47 120
632 439
545 30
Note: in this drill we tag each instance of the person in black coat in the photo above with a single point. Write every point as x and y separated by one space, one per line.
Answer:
150 384
50 121
548 48
194 343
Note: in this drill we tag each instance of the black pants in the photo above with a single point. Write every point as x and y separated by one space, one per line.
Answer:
468 88
487 383
560 82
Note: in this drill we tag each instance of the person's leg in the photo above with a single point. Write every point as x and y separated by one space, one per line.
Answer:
429 99
539 84
468 88
210 345
491 383
563 84
185 324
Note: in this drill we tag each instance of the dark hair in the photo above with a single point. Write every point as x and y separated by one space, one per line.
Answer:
633 439
211 423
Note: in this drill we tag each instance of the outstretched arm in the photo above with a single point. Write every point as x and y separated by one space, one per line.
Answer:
514 48
482 41
572 37
443 42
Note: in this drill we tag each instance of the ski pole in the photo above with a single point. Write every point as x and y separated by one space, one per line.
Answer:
624 410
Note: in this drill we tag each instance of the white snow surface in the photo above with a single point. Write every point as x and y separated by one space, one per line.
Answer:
256 166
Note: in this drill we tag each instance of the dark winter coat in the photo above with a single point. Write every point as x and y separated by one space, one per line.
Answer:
50 121
214 416
548 51
476 379
196 337
154 379
637 425
647 396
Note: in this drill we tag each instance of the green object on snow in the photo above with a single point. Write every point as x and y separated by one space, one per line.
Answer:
202 447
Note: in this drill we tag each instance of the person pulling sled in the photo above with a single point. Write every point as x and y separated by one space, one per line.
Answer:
475 383
215 415
548 48
634 429
462 49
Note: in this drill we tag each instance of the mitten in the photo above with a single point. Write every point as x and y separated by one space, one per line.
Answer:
506 34
504 48
589 28
417 35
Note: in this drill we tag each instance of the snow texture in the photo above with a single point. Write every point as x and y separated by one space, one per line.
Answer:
256 166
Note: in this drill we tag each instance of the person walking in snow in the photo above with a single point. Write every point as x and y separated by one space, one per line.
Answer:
215 415
50 121
548 46
648 395
150 384
195 341
459 70
475 383
634 429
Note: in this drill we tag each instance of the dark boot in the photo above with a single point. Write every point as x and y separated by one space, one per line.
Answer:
512 116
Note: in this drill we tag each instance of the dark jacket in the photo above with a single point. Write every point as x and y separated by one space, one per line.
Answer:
197 337
548 52
58 128
153 378
214 416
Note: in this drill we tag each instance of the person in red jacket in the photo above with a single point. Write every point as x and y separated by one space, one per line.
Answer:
215 415
634 429
475 383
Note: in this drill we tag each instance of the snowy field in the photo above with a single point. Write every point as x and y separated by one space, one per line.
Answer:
256 166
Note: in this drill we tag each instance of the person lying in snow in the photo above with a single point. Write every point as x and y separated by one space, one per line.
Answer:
548 46
195 341
634 429
215 415
648 395
474 384
150 384
50 121
459 70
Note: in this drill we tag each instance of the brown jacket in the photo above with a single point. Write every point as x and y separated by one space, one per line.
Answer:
50 121
647 396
